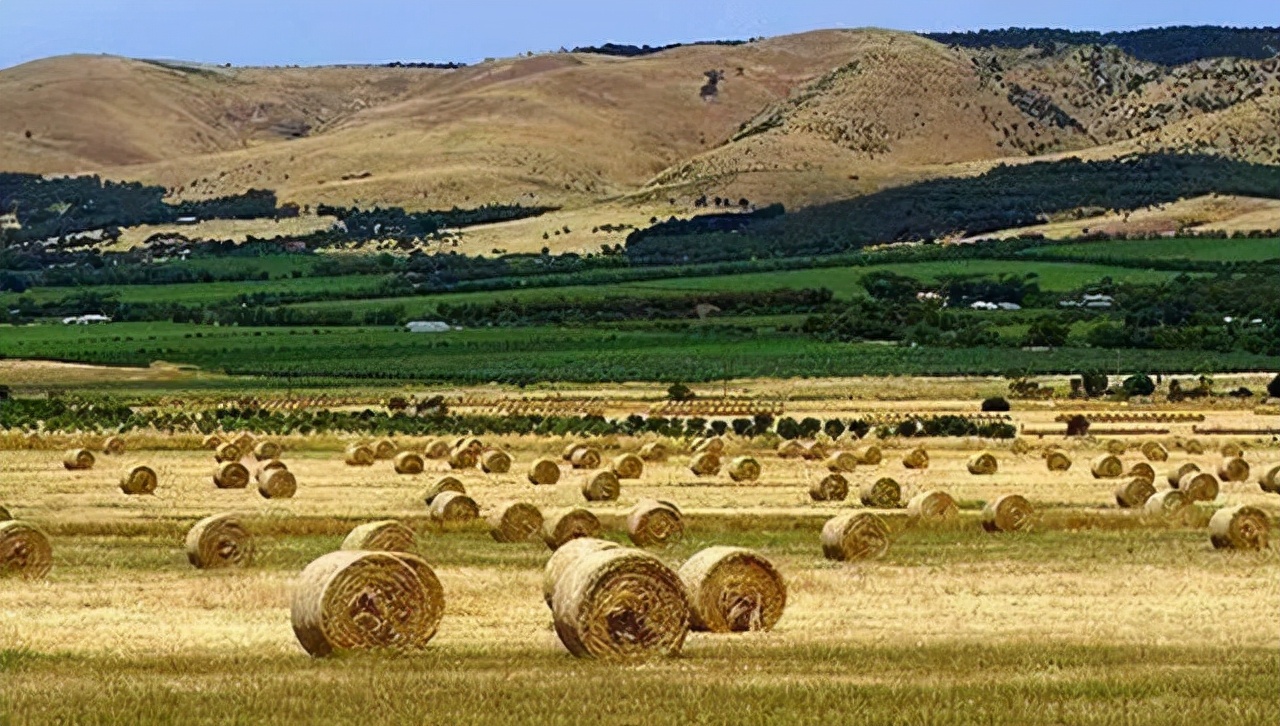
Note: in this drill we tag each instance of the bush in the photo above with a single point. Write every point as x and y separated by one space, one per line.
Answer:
1139 385
1273 388
997 404
834 428
1095 384
680 392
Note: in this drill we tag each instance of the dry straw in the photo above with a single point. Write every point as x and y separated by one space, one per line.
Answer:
462 458
1175 475
1009 513
452 508
1167 503
1269 480
385 449
705 464
277 484
437 449
267 450
932 506
621 604
654 452
544 472
1240 528
24 551
359 455
495 461
832 488
842 462
791 449
219 541
560 528
227 452
139 480
855 536
78 460
113 446
983 464
470 442
601 486
744 469
1133 492
1144 471
1057 460
1199 486
733 590
1155 451
384 536
628 466
586 457
1107 466
409 462
347 601
268 466
566 555
1233 469
869 455
512 522
5 516
442 485
883 493
231 475
917 459
655 524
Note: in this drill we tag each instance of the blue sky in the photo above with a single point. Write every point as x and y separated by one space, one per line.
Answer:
313 32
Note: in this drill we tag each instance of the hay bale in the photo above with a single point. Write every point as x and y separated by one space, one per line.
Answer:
437 450
1199 486
1020 447
705 464
5 516
601 486
1175 475
560 528
544 472
932 506
655 524
268 466
24 551
244 442
1114 446
566 555
78 460
1057 460
791 449
409 462
1144 471
814 451
219 541
359 455
983 464
384 536
841 462
883 493
452 508
917 459
347 601
442 485
1269 480
495 461
628 466
1155 451
1167 503
620 604
267 450
1133 492
572 448
1240 528
1231 450
655 452
384 449
710 445
212 442
1107 466
113 446
515 522
227 452
1233 469
733 590
470 442
832 488
869 455
855 536
462 458
277 484
744 469
586 457
139 479
1009 513
231 475
1193 446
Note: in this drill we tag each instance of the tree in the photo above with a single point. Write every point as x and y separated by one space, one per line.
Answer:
996 404
1139 385
788 428
1047 333
833 428
680 392
1273 388
1095 383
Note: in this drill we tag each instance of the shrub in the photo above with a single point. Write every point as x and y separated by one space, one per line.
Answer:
1273 388
680 392
1139 385
996 404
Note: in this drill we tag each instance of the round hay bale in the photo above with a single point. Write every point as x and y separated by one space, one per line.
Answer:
462 458
1144 471
1193 446
932 506
855 536
277 484
442 485
655 452
1133 492
883 493
1167 503
78 460
917 459
1270 479
869 455
227 452
139 480
244 443
586 457
113 446
384 536
744 469
1020 447
495 461
791 449
1175 475
1234 469
1107 466
1232 450
571 448
219 541
832 488
841 462
470 442
628 466
620 604
1240 528
814 451
231 475
601 486
710 445
5 516
1155 451
452 508
544 472
705 464
24 551
733 590
983 464
1199 486
515 522
212 442
268 466
359 455
655 524
385 449
1057 460
348 601
267 450
409 462
1114 446
560 528
437 449
1009 513
566 555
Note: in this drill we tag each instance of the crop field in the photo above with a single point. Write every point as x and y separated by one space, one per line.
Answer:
1211 250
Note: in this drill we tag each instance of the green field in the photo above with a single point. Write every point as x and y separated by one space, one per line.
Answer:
1205 250
202 293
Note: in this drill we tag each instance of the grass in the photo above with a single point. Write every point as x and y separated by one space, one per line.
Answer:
1206 250
204 293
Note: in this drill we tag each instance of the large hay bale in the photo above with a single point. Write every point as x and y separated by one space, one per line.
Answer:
544 472
1115 447
601 486
932 506
733 590
710 445
654 452
744 469
791 449
267 466
227 452
1199 486
628 466
869 455
1107 466
384 449
1193 447
1133 492
212 442
841 462
1057 460
571 448
78 460
384 536
219 541
514 522
655 524
470 442
139 479
620 604
1269 480
5 516
883 493
113 446
1009 513
244 442
983 464
347 601
359 455
452 508
437 450
1144 471
1167 503
832 488
462 458
442 485
267 450
564 526
409 462
495 461
231 475
277 484
1240 528
24 551
1155 451
1020 446
564 556
917 459
1233 469
705 464
814 451
586 457
1232 450
855 536
1175 475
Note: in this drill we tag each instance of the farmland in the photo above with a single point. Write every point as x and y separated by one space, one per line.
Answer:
1232 250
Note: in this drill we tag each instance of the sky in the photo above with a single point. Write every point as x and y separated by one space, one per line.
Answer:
320 32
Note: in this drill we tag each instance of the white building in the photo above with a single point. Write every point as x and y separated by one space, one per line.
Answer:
427 326
86 320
